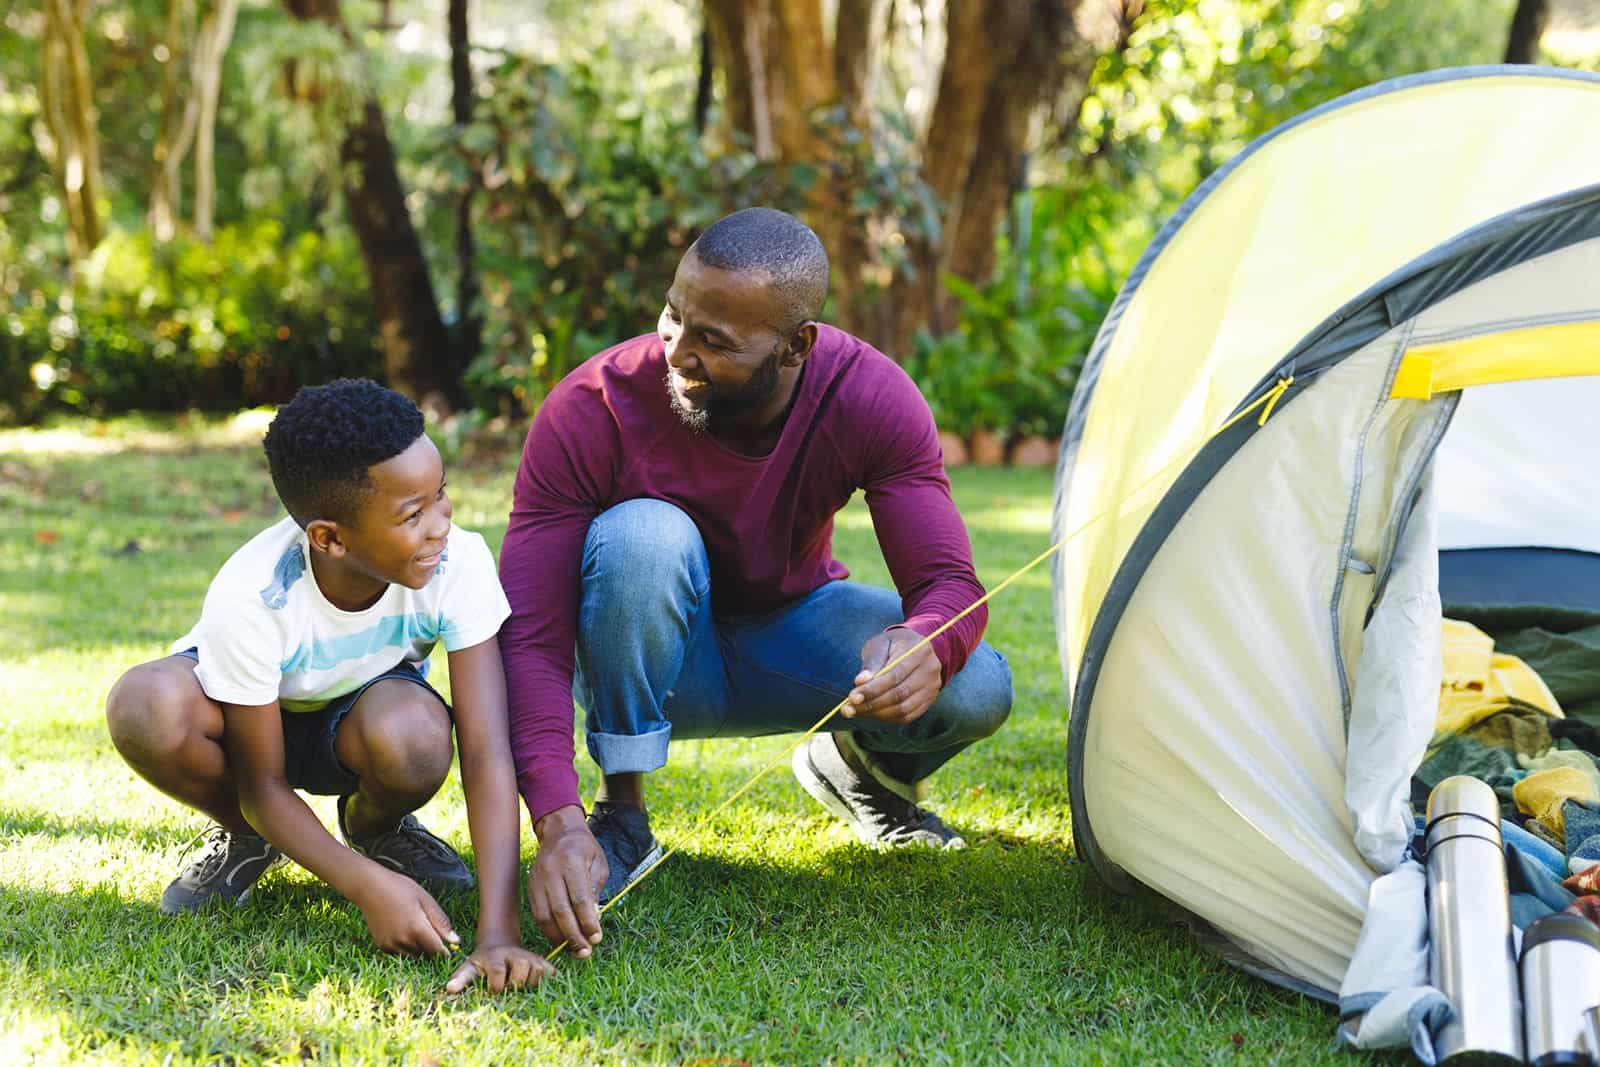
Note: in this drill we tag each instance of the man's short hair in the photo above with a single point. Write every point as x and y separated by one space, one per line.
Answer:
322 443
765 239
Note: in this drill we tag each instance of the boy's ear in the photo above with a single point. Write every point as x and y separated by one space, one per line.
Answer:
324 537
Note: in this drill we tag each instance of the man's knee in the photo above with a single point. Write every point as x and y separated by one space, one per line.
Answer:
406 740
643 543
985 693
151 712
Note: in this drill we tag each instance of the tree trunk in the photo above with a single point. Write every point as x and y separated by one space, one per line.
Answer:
1035 43
165 193
1527 26
702 84
1003 60
210 50
857 49
949 146
66 98
415 344
469 324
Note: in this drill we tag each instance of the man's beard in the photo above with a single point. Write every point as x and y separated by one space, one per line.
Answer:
722 403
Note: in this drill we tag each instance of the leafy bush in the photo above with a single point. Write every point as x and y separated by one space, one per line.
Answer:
244 320
591 201
1012 362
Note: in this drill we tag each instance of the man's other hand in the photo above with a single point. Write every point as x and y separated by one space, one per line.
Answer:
901 693
565 882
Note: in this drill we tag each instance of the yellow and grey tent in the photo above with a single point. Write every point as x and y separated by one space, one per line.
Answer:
1392 304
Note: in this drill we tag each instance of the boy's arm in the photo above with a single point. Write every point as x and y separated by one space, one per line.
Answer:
400 914
478 694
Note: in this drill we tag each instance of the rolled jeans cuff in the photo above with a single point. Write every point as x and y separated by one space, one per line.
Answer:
624 753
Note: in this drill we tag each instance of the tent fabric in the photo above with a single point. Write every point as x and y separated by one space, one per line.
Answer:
1195 788
1227 292
1244 617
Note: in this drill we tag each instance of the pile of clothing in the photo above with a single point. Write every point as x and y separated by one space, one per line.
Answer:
1522 713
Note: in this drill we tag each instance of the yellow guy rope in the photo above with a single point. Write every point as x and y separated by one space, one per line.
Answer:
1266 401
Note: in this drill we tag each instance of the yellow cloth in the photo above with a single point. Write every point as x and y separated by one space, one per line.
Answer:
1542 793
1581 762
1477 681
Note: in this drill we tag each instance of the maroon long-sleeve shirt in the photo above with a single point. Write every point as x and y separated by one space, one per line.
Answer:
607 434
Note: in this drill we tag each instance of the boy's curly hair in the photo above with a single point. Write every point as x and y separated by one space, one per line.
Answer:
321 444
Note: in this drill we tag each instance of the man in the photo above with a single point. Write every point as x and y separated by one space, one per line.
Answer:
669 560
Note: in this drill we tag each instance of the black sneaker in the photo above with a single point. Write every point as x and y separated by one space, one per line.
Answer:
410 849
882 811
225 868
623 834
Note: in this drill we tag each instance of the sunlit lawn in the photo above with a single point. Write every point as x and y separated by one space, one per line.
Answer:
773 937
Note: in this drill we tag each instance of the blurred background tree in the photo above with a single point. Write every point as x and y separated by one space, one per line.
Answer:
206 203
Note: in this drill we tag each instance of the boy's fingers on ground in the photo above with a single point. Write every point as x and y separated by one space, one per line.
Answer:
462 978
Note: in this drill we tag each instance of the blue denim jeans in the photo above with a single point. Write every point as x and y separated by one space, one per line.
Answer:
655 662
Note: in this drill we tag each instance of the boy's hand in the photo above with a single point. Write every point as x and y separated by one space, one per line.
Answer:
501 967
404 919
565 881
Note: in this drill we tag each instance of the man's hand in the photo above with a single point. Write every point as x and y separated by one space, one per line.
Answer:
404 919
902 693
501 967
565 882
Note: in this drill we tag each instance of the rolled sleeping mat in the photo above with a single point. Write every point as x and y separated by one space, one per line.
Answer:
1470 955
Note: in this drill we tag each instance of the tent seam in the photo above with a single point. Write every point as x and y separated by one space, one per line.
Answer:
1352 516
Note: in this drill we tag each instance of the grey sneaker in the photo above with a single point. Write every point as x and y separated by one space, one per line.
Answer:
225 867
623 834
410 849
882 811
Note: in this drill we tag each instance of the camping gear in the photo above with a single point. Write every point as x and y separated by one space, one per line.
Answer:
1471 959
1560 983
1389 305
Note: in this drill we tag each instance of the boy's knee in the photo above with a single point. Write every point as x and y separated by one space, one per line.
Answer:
149 715
408 744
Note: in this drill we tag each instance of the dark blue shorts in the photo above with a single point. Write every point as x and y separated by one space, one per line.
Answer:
309 761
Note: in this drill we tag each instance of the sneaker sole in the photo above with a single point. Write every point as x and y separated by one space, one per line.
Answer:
633 876
822 791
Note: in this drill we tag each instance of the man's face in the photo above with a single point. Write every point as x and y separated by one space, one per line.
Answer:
399 535
724 351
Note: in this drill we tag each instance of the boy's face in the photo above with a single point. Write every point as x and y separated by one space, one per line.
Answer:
399 535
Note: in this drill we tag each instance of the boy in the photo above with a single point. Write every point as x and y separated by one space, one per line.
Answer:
306 671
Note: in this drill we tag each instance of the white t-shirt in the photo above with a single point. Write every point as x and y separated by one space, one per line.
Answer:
267 633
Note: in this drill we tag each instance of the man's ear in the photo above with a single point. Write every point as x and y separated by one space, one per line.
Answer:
801 342
324 537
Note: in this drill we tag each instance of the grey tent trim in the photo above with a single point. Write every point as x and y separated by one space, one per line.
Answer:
1478 253
1078 411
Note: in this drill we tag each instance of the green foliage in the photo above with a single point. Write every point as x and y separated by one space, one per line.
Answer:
591 199
1012 362
243 320
1197 82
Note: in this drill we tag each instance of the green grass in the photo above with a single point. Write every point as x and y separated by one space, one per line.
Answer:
771 938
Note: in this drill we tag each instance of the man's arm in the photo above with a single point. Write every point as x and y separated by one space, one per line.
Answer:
924 542
557 494
478 692
400 914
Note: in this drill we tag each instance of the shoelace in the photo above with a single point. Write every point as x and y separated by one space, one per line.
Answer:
409 841
211 854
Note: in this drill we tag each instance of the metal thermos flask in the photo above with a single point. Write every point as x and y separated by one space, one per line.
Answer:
1470 955
1560 983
